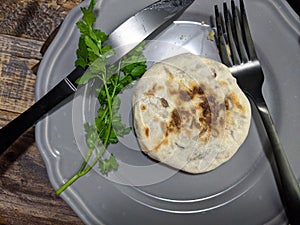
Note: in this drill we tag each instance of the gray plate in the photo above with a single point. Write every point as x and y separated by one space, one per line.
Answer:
241 191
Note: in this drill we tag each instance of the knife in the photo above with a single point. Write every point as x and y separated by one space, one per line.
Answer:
134 30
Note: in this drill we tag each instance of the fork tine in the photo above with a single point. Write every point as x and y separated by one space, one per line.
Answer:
221 39
246 31
233 50
238 32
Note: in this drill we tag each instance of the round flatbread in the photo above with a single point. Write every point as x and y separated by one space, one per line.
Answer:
189 113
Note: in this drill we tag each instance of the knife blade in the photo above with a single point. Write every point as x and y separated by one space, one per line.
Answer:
149 21
128 35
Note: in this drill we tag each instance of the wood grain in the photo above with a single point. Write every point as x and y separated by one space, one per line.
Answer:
34 19
17 56
26 195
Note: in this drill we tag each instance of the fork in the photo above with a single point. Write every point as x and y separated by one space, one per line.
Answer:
232 30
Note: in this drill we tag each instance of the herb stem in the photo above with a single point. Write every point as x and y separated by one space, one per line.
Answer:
68 183
104 114
84 169
87 158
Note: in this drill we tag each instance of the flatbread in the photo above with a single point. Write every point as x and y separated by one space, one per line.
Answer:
189 113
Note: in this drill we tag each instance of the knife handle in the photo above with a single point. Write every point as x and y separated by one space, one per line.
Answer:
15 128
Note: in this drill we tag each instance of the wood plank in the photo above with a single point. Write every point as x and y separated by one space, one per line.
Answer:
25 191
20 47
35 19
17 57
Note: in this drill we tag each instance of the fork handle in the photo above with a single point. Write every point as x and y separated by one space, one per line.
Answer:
290 191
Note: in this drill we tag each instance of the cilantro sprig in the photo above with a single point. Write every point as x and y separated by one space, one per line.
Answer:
93 54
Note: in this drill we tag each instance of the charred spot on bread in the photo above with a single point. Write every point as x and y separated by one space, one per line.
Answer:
164 102
143 107
147 132
175 122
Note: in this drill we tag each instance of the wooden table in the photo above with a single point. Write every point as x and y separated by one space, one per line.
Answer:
26 195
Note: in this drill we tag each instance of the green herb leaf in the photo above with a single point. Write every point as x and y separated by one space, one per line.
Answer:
92 138
101 36
81 62
138 70
85 78
108 165
99 65
83 28
82 54
91 45
107 51
88 16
